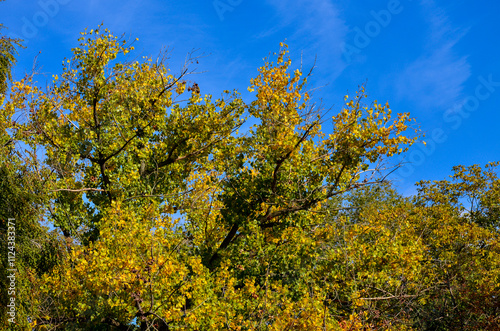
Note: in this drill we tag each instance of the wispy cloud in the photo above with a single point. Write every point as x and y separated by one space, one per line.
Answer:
317 24
436 79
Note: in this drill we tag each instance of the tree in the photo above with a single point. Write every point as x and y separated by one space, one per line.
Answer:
36 249
171 217
427 262
7 59
463 248
28 247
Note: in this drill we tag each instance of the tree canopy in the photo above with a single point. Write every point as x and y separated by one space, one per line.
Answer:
170 209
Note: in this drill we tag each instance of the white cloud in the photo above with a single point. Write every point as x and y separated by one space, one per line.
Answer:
436 79
318 25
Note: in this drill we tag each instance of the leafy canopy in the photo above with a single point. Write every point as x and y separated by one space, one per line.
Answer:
173 217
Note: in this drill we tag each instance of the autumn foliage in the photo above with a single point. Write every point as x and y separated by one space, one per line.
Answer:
173 210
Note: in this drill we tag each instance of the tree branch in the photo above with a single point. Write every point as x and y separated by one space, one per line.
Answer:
78 190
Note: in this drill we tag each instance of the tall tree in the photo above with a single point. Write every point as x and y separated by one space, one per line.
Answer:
7 58
171 217
28 248
174 218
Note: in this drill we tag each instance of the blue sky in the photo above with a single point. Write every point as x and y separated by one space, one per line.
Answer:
440 61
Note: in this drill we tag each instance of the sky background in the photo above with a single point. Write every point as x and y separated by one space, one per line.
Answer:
440 61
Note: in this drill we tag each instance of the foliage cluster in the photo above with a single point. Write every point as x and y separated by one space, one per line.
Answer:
166 215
